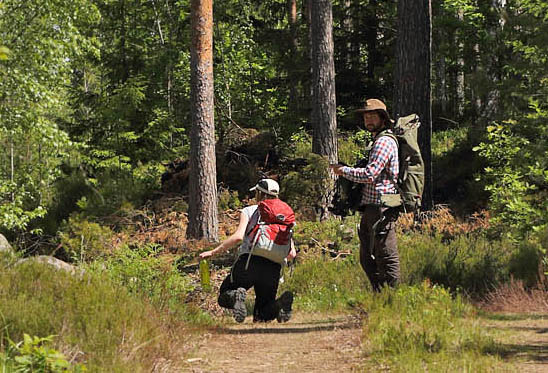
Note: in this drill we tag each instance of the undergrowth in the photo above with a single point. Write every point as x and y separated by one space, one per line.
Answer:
96 321
425 328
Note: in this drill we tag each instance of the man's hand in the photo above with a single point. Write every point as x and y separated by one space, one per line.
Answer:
207 254
337 168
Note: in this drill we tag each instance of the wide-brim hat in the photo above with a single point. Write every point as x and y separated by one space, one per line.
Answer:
374 104
267 186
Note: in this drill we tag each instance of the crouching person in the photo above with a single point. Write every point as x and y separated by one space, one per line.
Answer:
265 230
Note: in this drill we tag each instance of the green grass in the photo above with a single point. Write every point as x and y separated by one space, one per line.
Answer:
321 284
95 320
425 328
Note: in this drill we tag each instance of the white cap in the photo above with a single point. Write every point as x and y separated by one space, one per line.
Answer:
267 186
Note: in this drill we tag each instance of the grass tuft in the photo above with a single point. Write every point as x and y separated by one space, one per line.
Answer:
96 321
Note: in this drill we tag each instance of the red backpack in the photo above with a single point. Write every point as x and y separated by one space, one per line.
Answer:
271 236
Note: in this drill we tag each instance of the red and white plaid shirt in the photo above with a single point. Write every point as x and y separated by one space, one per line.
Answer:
380 175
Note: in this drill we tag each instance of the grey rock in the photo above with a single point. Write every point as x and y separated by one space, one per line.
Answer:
5 245
54 262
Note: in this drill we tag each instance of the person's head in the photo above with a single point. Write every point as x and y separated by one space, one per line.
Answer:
374 115
265 189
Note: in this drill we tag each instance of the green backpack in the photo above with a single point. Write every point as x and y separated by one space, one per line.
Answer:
411 175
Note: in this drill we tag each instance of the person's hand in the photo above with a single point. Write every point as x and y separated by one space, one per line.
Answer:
292 254
337 168
207 254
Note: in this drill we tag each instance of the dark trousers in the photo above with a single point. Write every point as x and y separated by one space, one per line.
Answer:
264 276
379 247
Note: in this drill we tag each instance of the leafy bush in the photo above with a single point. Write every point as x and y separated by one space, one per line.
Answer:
83 240
143 271
472 262
517 174
228 200
300 189
33 354
352 147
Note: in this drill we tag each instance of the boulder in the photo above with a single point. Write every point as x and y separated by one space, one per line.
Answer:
54 262
4 244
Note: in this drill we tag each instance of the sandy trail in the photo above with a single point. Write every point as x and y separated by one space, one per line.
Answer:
307 343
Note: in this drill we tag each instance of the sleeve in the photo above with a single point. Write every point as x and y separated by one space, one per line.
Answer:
378 159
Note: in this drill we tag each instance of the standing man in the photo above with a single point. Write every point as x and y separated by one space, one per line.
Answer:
378 243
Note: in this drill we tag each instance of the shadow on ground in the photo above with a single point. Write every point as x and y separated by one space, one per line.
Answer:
304 327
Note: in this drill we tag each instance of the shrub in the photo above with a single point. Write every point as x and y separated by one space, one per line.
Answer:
83 240
300 189
228 200
33 354
143 271
352 147
471 262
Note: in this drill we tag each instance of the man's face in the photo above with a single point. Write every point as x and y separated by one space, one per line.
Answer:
373 122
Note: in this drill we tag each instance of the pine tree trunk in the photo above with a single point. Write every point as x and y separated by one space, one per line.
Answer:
413 76
202 209
293 103
459 86
324 124
374 58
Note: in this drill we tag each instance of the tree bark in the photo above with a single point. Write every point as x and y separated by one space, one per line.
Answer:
413 76
293 103
459 86
373 55
202 209
324 123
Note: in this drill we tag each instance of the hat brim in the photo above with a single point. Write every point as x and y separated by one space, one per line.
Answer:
257 187
362 110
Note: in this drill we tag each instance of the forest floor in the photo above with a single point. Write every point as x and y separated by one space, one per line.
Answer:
324 342
308 343
332 343
526 342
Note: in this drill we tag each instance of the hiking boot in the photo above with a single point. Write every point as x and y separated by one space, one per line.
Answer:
285 301
239 311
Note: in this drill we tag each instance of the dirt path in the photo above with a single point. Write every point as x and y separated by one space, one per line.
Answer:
319 343
526 341
308 343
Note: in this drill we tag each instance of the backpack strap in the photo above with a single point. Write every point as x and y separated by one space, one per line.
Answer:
250 226
387 133
392 200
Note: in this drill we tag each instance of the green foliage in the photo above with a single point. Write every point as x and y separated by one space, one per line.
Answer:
228 200
472 262
300 189
84 241
33 354
142 271
340 233
321 284
444 142
33 101
115 331
14 213
517 173
417 328
516 147
113 188
352 147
